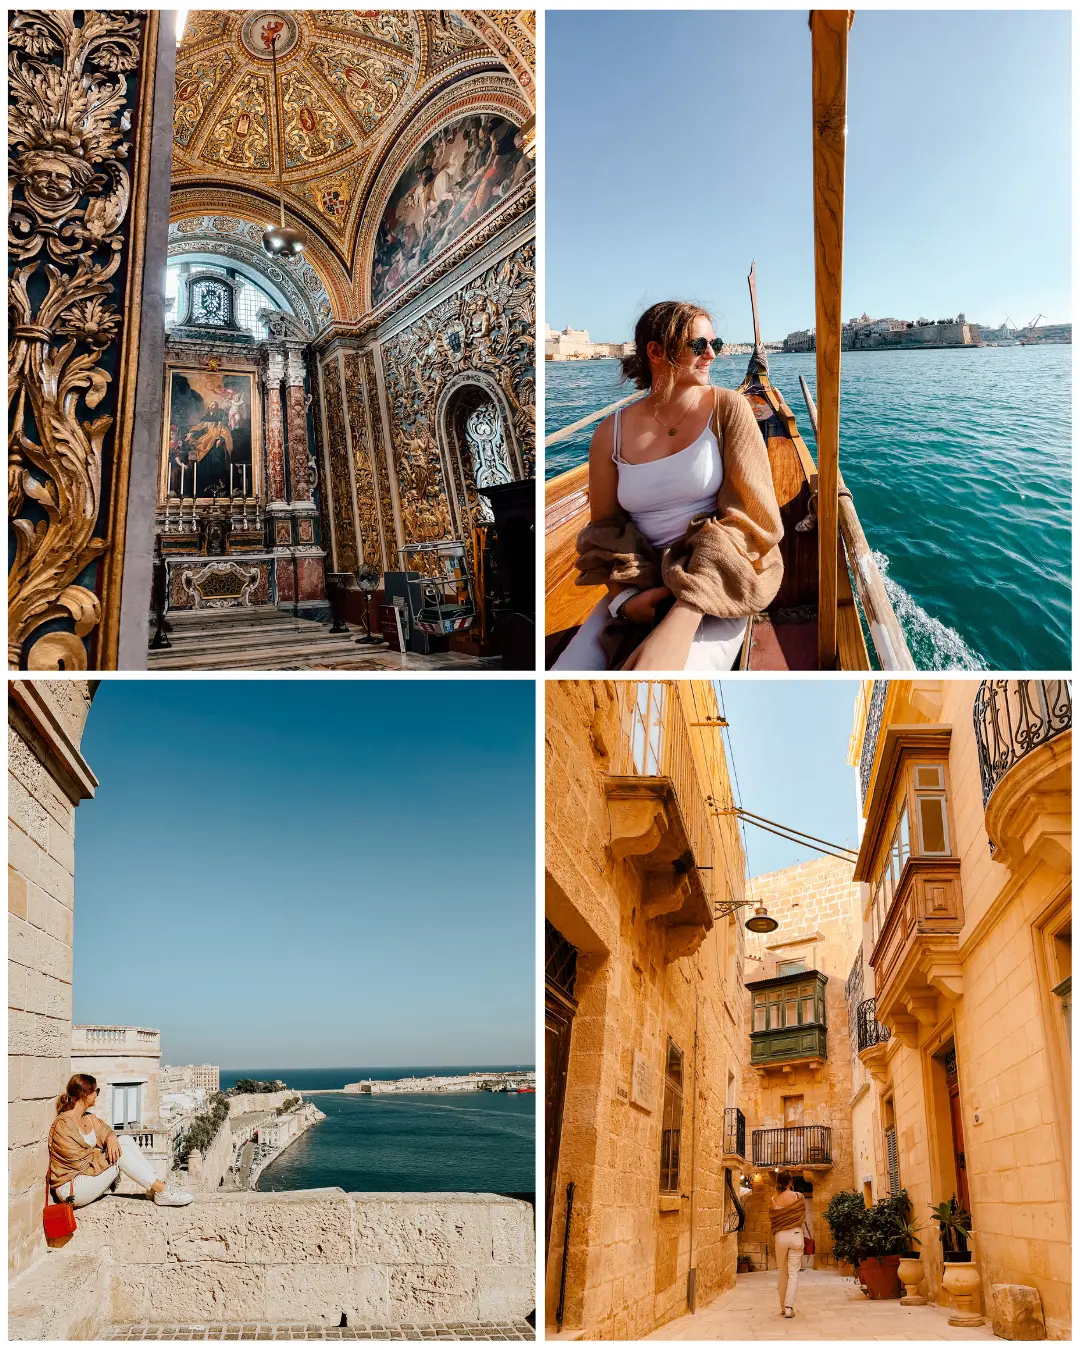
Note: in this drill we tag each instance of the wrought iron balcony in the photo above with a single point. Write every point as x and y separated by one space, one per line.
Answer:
793 1146
734 1133
871 1032
1013 718
871 735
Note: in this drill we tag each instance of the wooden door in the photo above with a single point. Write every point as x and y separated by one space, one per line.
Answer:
958 1148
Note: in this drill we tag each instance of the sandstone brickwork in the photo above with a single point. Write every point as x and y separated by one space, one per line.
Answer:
1005 1022
47 778
817 906
630 1247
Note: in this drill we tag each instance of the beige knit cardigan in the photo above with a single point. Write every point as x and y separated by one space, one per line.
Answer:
728 564
70 1155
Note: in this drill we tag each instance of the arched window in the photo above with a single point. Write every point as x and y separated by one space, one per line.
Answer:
232 303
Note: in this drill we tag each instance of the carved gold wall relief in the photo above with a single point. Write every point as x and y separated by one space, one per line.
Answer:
75 248
366 505
338 489
382 472
486 326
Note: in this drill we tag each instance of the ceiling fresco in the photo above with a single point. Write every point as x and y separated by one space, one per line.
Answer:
353 83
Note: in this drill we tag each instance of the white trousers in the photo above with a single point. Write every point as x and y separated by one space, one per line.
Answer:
133 1163
716 644
789 1253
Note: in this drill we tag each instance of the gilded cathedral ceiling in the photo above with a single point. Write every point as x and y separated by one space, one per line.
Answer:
355 86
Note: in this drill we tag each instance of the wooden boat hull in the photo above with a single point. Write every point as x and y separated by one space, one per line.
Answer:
785 638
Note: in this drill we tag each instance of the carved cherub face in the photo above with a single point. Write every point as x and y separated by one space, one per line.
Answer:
54 180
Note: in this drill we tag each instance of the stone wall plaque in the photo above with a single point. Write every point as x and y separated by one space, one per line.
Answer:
644 1082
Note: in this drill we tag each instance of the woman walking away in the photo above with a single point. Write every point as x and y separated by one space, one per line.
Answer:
685 524
787 1214
86 1157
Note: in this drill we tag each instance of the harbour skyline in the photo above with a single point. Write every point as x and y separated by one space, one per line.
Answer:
672 206
298 863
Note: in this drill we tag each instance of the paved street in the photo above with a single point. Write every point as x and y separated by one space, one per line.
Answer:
830 1307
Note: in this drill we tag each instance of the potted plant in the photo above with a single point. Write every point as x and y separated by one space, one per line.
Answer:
844 1215
744 1267
910 1268
960 1278
880 1240
954 1225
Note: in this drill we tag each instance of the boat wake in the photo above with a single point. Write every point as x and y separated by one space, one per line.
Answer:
934 645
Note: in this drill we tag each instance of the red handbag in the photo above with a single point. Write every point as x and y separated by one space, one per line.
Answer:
809 1246
58 1220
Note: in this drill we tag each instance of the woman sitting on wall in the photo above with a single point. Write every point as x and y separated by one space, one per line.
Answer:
787 1215
86 1157
685 523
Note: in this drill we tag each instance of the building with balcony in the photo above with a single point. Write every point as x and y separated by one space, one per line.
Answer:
963 1014
795 1062
646 1129
183 1077
126 1062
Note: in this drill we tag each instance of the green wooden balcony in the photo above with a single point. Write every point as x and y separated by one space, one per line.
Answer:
787 1044
788 1019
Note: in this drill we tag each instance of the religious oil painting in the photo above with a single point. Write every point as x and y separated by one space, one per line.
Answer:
210 433
458 175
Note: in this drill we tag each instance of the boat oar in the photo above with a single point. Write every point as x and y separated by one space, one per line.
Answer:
885 631
829 42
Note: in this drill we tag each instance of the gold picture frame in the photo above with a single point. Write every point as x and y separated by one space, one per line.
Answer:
212 425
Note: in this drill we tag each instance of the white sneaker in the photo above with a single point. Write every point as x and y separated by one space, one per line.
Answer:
172 1195
789 1312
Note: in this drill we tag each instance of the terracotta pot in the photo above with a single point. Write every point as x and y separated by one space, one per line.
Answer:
878 1276
910 1272
961 1279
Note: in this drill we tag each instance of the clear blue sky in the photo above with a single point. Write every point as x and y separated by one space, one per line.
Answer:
678 148
789 741
311 874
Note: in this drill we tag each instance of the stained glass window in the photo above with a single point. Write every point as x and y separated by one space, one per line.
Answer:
211 303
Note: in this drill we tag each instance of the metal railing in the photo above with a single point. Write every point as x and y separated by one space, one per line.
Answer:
734 1132
871 1031
793 1146
658 744
870 735
1014 717
735 1218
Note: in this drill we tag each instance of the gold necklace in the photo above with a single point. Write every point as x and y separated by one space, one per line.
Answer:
672 430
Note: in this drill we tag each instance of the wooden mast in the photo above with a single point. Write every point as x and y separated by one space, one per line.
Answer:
752 280
829 41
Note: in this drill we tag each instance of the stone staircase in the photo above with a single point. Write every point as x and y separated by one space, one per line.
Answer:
264 638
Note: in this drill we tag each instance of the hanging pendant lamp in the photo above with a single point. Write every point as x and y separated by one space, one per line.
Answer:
278 240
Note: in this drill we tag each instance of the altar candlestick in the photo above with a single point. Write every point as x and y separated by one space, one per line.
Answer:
194 479
183 475
232 478
243 470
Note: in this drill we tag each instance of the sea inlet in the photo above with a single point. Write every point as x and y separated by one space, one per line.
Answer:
472 1141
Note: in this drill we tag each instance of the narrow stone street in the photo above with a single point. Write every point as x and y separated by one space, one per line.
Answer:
830 1307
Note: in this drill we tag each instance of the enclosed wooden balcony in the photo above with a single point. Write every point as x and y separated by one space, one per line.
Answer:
788 1022
1024 733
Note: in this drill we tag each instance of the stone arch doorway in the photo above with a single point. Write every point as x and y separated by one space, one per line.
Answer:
477 446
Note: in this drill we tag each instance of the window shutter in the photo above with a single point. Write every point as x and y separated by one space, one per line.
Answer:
893 1160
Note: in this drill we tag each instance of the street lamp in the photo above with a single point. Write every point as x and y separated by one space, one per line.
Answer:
761 921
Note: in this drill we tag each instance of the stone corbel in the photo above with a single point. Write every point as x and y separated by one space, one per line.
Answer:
905 1028
946 977
665 892
637 825
922 1005
683 940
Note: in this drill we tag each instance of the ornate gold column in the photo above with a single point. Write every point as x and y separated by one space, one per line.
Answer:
81 97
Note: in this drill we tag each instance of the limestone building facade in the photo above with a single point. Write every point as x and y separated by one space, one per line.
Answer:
645 1019
966 859
181 1077
268 420
798 1064
126 1062
47 779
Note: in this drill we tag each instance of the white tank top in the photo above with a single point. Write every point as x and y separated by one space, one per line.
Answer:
662 496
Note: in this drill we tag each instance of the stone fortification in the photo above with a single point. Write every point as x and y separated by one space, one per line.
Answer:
245 1103
473 1082
47 778
293 1256
205 1171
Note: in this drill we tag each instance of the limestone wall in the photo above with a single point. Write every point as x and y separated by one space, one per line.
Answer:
630 1248
205 1174
311 1256
47 778
244 1103
817 906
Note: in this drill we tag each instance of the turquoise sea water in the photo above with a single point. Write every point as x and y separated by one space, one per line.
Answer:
960 465
471 1141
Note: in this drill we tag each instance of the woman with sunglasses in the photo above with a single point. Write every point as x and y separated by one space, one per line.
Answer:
684 520
86 1157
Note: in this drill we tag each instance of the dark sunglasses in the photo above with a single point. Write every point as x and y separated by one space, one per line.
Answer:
699 346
